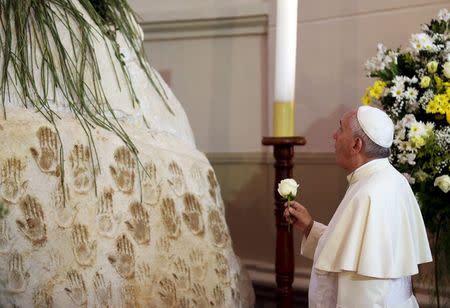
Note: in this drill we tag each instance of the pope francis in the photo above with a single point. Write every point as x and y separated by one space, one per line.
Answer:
372 246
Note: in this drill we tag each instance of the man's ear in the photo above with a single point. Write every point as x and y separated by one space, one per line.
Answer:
357 145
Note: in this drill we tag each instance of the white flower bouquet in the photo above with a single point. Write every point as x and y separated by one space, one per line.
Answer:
413 87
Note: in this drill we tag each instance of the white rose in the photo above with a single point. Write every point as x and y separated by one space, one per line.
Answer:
443 182
287 187
446 67
432 67
425 82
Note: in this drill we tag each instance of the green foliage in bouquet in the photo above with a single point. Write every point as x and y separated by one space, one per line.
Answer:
413 87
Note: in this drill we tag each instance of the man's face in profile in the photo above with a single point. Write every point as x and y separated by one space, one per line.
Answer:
343 140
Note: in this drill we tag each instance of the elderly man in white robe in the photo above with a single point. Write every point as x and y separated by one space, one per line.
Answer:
372 246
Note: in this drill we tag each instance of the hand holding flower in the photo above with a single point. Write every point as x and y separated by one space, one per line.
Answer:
299 216
287 189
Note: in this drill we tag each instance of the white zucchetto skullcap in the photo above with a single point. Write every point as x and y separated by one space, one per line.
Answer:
376 124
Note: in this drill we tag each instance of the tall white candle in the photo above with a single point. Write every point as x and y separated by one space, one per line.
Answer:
285 50
285 56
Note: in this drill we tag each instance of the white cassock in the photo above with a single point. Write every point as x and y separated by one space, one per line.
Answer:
366 255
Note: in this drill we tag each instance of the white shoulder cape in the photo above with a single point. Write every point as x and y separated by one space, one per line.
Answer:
378 230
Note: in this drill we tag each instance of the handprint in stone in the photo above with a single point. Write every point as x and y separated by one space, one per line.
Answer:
107 221
219 296
76 288
151 184
123 172
47 155
54 260
6 236
84 249
123 260
176 178
222 269
13 186
65 208
192 214
33 227
181 274
102 290
198 180
167 292
17 277
217 228
170 218
139 225
200 296
80 162
146 277
129 296
212 185
42 298
164 245
198 265
186 302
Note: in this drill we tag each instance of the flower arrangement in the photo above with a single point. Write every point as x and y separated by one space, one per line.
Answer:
413 87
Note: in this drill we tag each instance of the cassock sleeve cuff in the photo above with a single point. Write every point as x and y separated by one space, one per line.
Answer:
309 243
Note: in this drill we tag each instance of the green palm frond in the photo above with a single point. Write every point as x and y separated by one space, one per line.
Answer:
37 66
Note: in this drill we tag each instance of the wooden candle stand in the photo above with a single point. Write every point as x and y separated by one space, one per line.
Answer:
284 255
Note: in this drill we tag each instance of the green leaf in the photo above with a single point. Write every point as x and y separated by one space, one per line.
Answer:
406 65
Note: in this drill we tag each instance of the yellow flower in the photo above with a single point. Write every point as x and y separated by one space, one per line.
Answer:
425 82
439 83
418 141
377 89
365 100
448 118
432 66
439 104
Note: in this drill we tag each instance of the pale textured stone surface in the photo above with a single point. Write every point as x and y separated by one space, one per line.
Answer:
124 237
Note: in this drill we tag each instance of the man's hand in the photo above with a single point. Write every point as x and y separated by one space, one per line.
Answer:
299 216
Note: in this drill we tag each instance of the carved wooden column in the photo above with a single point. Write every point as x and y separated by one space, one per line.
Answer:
284 256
